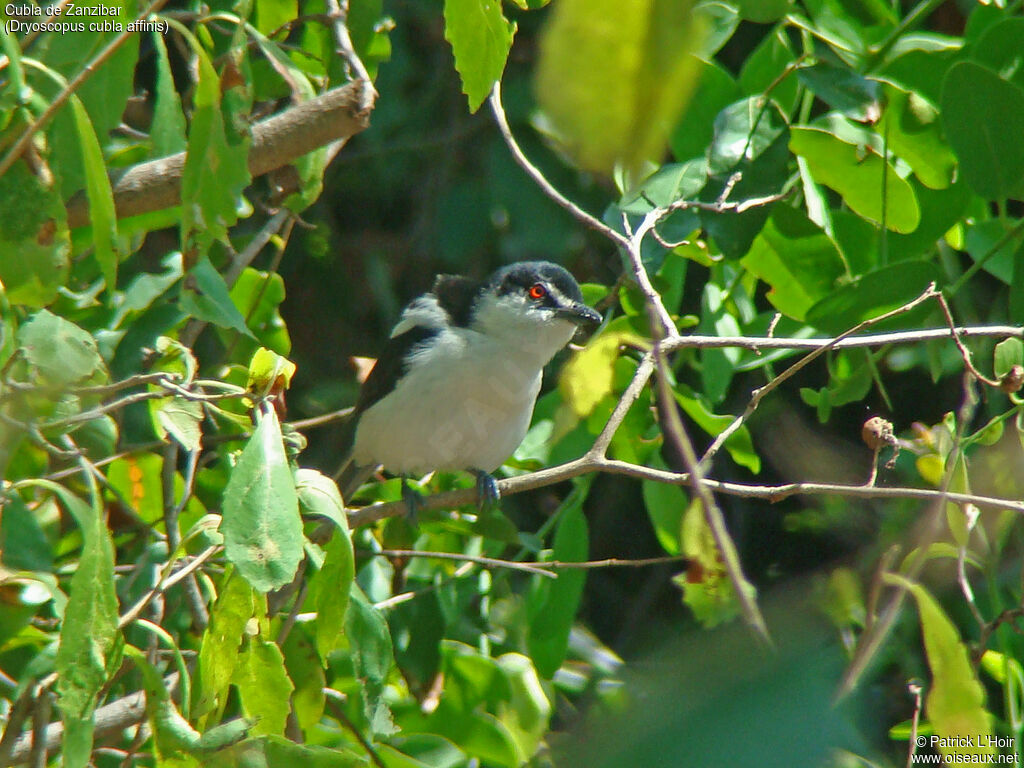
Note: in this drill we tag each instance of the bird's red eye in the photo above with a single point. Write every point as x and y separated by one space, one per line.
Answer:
538 291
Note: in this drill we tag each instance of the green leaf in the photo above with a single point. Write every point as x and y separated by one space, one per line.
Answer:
101 197
955 704
999 48
553 605
871 295
216 163
174 735
280 751
706 587
263 686
269 371
800 262
665 505
88 633
104 95
717 366
1008 353
998 244
137 479
529 710
843 89
481 38
739 445
319 497
206 297
218 654
168 130
261 523
589 376
181 419
856 173
979 110
23 542
770 66
618 108
911 125
62 353
718 20
34 238
307 675
763 11
372 658
751 138
272 14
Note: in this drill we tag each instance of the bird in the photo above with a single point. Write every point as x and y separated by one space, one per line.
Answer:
455 385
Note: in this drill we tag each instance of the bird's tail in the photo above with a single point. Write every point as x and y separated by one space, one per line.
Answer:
350 476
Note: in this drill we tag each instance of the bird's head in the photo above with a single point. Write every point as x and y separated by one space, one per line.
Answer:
533 305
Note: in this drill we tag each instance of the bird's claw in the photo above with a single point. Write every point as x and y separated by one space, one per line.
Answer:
413 503
487 493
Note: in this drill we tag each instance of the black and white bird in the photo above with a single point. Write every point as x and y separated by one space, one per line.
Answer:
455 386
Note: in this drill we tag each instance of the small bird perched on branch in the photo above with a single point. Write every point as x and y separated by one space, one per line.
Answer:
455 386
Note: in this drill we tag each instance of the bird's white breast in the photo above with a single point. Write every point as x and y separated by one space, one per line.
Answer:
465 402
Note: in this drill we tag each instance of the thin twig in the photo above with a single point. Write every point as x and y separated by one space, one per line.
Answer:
539 179
541 568
772 493
757 343
322 420
334 699
40 721
872 638
971 514
490 562
915 690
759 393
666 325
643 374
16 717
166 583
964 352
672 427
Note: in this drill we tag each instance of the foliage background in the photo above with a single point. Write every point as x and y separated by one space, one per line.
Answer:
456 663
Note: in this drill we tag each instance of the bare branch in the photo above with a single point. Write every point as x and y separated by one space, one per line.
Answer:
964 353
846 342
540 568
771 493
759 394
672 426
873 637
546 186
489 562
156 184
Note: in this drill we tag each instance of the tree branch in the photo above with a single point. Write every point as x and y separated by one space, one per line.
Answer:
156 184
771 493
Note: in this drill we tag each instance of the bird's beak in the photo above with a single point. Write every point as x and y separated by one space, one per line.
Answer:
580 314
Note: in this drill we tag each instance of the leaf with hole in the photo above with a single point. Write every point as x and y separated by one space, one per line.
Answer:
261 523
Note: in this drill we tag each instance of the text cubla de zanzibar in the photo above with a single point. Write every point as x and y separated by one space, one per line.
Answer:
34 18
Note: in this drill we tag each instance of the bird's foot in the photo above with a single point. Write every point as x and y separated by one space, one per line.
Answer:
487 493
413 503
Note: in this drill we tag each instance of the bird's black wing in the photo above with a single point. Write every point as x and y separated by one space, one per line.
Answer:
383 378
456 296
390 366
